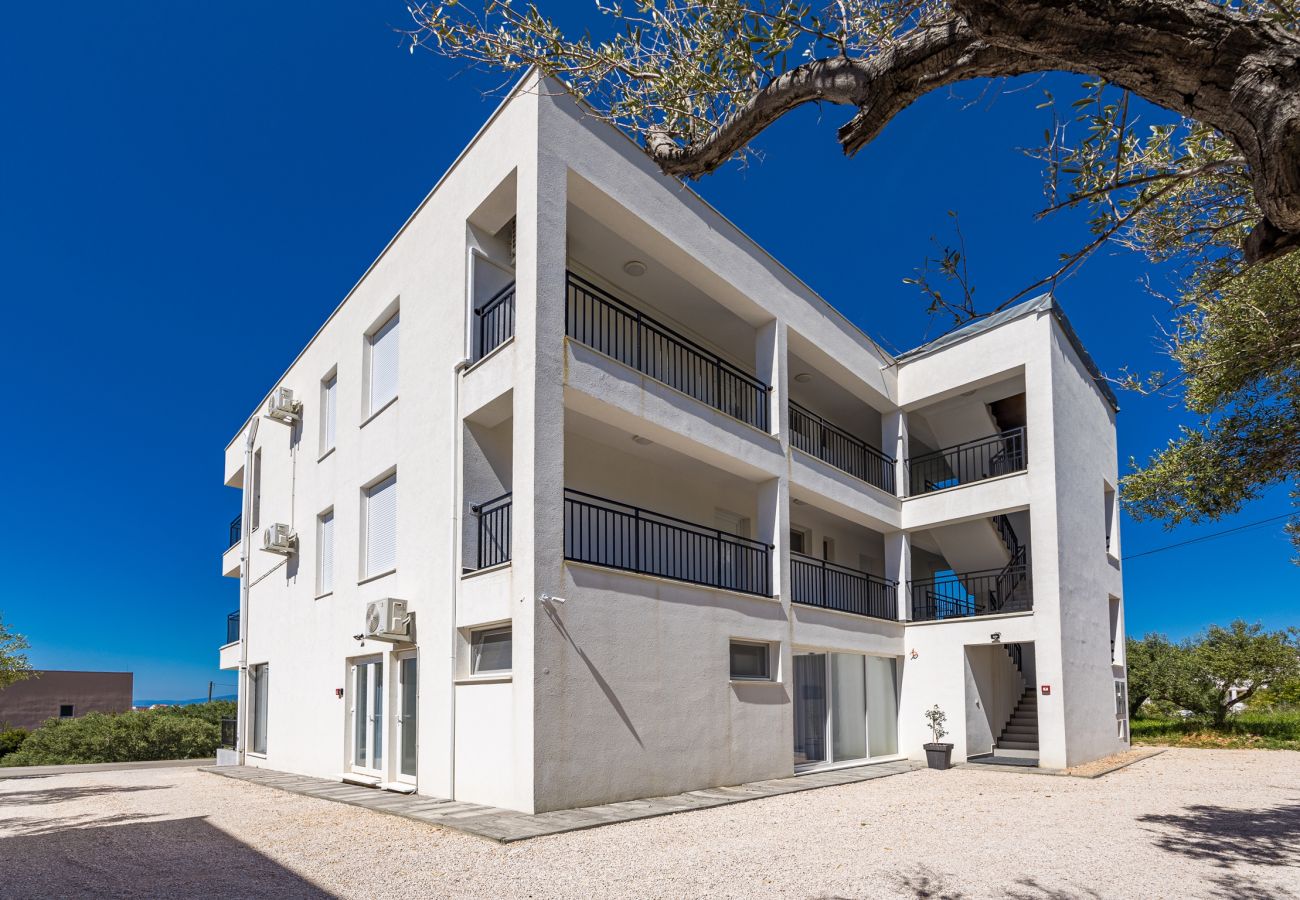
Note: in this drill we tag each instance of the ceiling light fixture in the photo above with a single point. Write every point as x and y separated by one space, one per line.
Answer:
803 378
643 441
634 267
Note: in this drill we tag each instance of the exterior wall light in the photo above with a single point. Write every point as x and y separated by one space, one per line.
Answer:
995 636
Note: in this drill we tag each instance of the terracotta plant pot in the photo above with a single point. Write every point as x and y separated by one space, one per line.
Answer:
939 756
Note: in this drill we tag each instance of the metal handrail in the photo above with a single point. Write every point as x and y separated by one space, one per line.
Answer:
496 321
236 530
229 733
232 627
977 593
968 462
617 535
817 582
494 530
839 448
600 320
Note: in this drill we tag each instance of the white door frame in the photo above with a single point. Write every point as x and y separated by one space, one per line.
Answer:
399 719
372 764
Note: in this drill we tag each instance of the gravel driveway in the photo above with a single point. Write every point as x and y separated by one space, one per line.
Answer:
1188 823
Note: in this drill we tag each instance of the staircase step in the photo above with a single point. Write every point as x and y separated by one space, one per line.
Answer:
1018 745
1016 728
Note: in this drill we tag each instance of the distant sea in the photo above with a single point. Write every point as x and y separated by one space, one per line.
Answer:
180 702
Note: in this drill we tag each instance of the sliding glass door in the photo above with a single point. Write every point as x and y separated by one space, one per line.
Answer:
849 697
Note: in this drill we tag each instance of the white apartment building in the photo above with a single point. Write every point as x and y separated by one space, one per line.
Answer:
658 517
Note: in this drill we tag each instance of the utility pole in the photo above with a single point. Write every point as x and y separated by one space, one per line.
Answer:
209 691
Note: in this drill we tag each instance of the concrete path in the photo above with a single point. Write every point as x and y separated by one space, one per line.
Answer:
507 826
37 771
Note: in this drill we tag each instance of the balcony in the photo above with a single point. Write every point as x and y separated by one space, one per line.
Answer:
955 596
967 463
606 324
494 322
833 445
494 531
607 533
228 656
232 627
236 529
815 582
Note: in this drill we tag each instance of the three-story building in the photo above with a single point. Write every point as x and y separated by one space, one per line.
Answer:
656 516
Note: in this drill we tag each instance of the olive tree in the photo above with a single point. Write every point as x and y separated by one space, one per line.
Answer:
1215 190
13 661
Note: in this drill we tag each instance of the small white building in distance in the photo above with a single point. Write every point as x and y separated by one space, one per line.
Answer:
580 496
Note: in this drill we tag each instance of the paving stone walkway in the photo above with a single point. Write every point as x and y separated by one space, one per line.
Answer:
507 826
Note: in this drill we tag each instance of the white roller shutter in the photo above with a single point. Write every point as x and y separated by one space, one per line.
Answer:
325 554
383 364
381 527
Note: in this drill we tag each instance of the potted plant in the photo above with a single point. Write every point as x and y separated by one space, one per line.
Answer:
938 755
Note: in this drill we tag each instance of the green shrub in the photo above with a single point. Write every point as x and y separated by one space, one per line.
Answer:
185 732
1268 730
11 739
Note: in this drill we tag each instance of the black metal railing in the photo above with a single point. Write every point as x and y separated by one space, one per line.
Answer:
1008 534
236 530
815 582
228 733
494 530
983 593
612 534
495 322
605 323
814 435
965 463
232 627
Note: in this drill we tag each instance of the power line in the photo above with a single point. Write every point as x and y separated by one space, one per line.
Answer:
1209 537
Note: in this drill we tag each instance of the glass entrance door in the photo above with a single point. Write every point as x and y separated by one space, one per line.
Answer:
408 677
368 717
809 708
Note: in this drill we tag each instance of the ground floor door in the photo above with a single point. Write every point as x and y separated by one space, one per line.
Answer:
368 717
845 707
407 730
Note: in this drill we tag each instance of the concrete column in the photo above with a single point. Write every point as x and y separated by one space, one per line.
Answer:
538 466
893 438
898 567
771 356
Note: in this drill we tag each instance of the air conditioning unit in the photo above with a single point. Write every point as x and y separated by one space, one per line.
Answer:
387 620
279 538
282 407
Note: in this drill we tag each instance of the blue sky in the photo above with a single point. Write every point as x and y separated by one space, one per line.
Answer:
173 179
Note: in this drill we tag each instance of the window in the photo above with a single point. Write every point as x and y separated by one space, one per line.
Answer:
1109 500
329 399
798 541
750 661
325 552
382 346
1116 633
380 540
256 517
490 650
258 687
65 711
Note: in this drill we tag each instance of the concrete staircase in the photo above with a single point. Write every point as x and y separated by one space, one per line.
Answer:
1021 732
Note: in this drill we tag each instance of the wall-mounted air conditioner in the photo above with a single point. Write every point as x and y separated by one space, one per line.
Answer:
387 620
279 538
282 407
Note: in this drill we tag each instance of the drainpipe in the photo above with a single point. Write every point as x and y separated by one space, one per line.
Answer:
458 432
245 541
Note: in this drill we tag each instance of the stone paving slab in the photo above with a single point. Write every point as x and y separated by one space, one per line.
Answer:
506 826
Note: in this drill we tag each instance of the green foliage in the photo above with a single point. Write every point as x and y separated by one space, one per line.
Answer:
11 739
936 717
1198 674
1253 729
186 732
13 662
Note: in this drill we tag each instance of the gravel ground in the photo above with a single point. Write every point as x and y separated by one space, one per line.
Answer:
1187 823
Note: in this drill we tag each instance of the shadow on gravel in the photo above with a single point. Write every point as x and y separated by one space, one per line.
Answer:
59 795
1227 837
171 858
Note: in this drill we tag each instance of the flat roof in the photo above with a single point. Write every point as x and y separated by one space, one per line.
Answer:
1043 303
